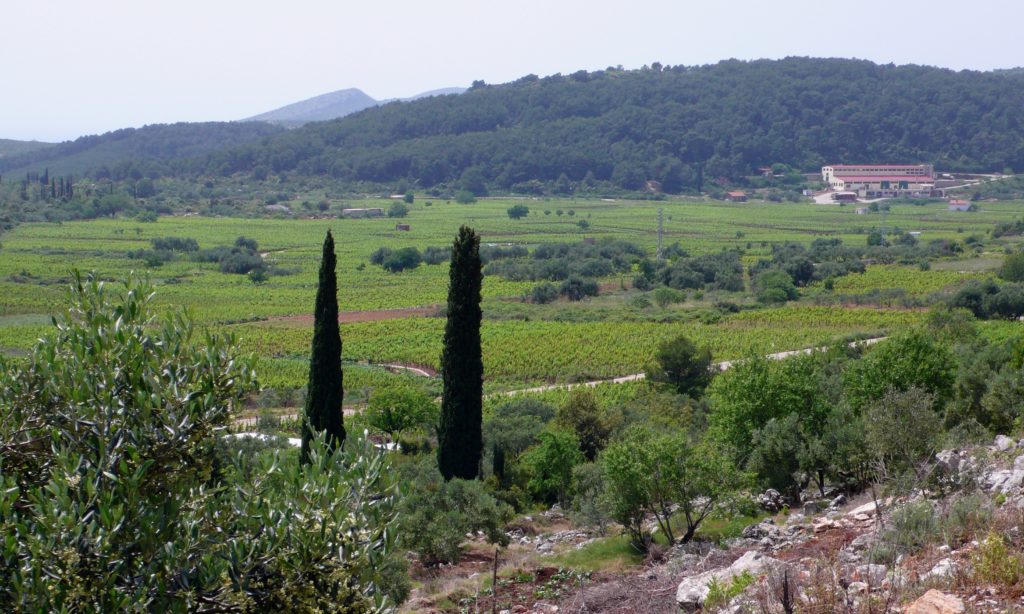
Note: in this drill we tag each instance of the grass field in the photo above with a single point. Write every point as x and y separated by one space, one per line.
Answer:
523 343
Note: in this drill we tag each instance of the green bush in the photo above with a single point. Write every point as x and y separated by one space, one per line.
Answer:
113 499
550 464
436 515
465 197
402 259
398 210
544 293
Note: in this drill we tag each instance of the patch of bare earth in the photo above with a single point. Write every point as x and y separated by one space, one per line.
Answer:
375 315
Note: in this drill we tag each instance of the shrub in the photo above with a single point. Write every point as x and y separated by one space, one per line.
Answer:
398 210
436 515
394 409
380 255
175 244
993 563
544 293
402 259
550 465
589 505
663 296
240 263
583 416
465 197
576 289
516 212
1012 268
246 244
435 255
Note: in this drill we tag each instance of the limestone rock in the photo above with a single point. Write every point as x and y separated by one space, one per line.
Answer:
1004 480
771 500
943 569
1004 443
1018 463
872 574
868 509
694 590
936 602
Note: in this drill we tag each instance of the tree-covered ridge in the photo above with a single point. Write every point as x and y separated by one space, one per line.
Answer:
144 150
664 124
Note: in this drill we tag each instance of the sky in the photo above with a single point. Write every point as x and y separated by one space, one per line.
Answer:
75 67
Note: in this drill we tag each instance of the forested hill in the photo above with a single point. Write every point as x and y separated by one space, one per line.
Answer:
146 150
10 147
664 124
673 125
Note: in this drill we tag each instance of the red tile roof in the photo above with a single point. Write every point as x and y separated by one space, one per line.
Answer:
913 178
878 165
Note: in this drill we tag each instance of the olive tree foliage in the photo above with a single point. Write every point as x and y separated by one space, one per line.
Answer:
647 473
112 500
909 359
436 514
902 433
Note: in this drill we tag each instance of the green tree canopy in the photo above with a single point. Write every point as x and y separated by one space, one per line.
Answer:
682 366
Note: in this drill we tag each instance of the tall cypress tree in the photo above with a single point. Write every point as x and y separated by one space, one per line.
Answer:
459 437
324 395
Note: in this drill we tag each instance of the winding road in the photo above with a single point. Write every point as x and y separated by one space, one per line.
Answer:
724 365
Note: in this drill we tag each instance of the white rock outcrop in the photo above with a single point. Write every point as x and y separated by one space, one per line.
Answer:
694 590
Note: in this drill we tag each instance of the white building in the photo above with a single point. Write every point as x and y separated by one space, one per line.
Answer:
880 180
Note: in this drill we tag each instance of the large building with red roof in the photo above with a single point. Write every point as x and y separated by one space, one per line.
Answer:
880 180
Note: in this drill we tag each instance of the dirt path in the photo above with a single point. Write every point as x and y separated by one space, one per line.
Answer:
720 366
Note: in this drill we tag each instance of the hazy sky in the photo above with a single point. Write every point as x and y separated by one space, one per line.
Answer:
74 67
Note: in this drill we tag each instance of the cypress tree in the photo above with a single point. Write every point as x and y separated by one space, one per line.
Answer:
459 436
324 394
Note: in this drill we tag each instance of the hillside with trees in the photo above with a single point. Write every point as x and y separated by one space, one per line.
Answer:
614 129
135 152
670 124
11 147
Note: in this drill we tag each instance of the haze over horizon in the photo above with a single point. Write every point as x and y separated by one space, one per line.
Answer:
109 64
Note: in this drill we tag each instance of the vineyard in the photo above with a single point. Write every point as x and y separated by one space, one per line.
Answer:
523 343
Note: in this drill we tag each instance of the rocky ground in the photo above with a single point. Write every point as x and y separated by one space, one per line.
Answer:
959 550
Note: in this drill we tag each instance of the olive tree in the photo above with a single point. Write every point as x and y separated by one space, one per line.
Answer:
113 500
656 474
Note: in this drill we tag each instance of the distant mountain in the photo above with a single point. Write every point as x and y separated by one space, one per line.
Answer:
111 154
10 147
335 105
444 91
318 108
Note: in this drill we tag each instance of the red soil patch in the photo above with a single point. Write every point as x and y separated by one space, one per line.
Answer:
366 316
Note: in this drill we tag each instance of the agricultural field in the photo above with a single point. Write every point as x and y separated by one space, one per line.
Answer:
524 344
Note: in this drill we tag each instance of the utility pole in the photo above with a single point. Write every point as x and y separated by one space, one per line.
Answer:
661 255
